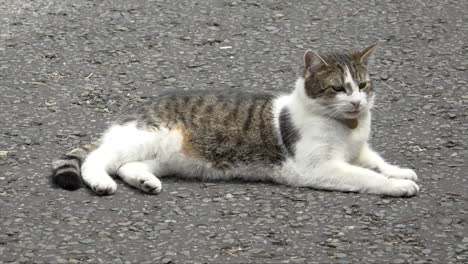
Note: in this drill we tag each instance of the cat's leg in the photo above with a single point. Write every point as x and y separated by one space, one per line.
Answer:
342 176
371 159
120 144
140 175
94 172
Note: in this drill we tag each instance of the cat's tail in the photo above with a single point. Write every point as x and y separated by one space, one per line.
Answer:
66 171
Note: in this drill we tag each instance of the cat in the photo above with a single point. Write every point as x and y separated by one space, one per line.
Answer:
316 136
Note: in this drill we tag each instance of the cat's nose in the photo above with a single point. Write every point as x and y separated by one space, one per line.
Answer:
356 103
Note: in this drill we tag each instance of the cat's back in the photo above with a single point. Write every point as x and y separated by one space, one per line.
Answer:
225 128
197 109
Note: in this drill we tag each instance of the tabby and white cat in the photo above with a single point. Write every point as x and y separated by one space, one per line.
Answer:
316 136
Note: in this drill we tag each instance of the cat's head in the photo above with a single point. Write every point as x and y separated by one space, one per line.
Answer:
339 82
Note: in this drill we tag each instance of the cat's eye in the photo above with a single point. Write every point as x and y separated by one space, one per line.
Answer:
338 88
362 85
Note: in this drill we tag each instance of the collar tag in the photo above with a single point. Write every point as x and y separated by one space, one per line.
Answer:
351 123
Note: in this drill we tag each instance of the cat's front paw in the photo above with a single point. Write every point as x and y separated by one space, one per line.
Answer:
399 173
400 188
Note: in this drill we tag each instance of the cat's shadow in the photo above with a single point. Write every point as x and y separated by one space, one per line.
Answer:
201 184
204 184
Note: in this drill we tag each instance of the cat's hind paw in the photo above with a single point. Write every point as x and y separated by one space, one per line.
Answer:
152 185
102 186
399 173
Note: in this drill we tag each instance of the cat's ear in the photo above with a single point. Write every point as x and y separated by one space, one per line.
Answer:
366 55
311 58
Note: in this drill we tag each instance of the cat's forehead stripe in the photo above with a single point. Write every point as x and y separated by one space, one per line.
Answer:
348 79
346 64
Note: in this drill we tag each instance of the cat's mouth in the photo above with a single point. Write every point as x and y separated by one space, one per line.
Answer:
356 112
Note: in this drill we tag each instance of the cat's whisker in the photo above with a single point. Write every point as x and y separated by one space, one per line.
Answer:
333 115
379 108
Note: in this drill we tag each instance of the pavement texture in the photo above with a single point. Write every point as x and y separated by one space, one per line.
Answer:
69 67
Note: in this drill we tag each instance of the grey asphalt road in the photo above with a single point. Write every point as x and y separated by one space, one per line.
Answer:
69 67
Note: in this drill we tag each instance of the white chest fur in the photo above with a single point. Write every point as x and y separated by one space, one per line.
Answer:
355 138
322 138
